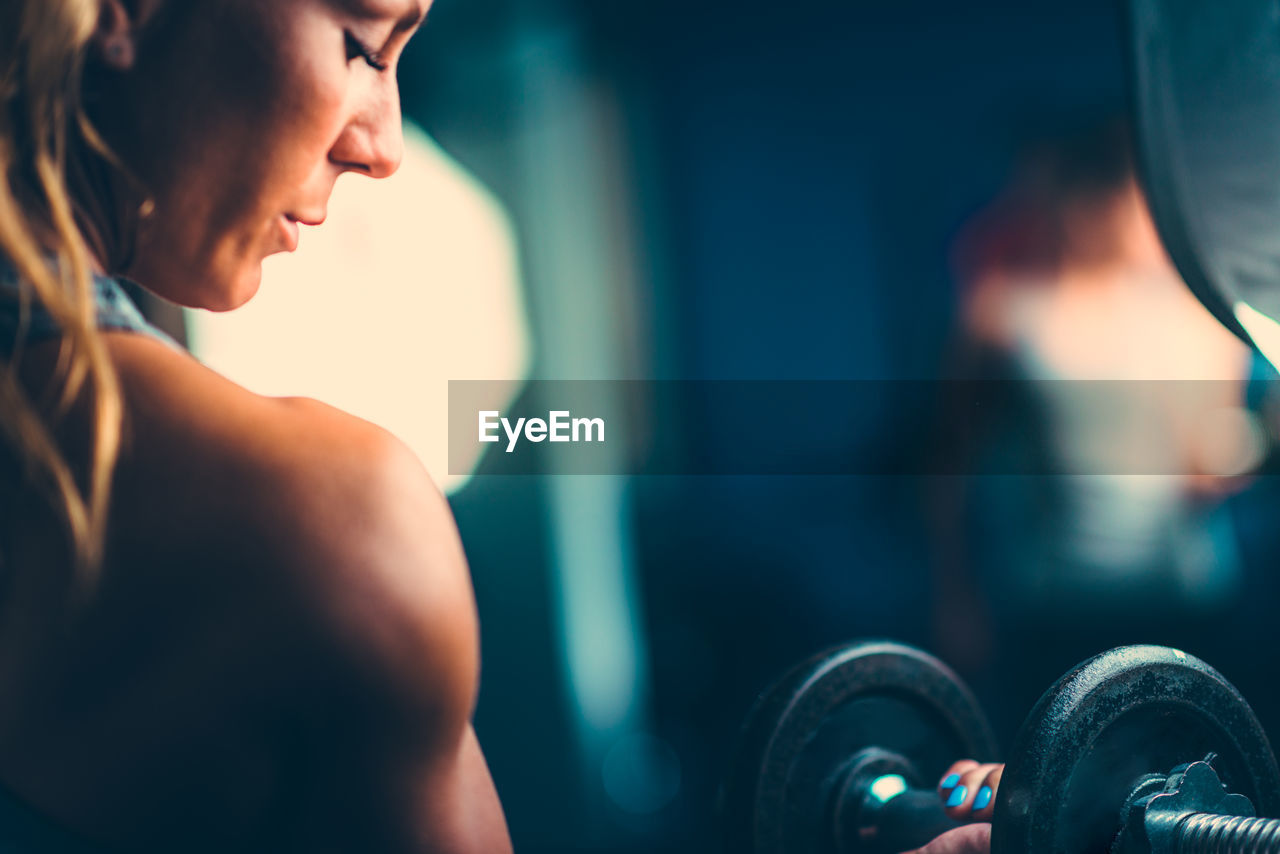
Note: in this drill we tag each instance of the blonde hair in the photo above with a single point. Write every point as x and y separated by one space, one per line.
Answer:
47 145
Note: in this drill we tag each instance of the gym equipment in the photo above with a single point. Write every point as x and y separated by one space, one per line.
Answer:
843 754
1140 750
1137 740
1206 97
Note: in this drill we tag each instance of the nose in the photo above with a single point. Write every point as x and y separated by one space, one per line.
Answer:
372 142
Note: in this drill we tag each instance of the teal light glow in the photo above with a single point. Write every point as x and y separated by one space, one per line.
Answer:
888 787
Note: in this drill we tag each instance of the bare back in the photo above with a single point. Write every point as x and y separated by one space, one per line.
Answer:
281 652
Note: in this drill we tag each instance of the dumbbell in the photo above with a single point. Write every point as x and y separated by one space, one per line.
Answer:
1141 750
842 754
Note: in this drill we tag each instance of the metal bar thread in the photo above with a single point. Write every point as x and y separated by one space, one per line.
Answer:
1205 833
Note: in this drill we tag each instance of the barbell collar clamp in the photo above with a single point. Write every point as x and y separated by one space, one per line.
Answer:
1190 811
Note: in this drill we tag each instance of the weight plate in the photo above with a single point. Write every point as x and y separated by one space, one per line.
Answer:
1129 712
805 730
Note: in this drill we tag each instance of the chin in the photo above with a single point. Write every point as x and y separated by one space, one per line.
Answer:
232 292
222 287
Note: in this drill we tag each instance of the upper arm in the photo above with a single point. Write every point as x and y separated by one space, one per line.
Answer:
399 655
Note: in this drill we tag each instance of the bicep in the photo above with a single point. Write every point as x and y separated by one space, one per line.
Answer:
401 633
381 800
456 810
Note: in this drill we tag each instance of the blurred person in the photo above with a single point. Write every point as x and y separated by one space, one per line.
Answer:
228 621
1067 283
1070 302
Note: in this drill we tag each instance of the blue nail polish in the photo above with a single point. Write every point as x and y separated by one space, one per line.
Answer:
981 799
950 781
957 796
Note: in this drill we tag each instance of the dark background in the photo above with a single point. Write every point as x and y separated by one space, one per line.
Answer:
744 190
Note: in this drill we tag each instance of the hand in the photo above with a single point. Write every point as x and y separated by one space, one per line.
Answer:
968 792
970 839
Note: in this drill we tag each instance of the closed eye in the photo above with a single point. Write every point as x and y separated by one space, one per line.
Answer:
357 49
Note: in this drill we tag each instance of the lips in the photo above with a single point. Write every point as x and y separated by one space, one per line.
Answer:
289 231
289 225
316 217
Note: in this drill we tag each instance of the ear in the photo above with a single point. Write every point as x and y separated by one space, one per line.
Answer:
115 39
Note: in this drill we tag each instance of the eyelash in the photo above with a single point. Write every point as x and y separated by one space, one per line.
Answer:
356 48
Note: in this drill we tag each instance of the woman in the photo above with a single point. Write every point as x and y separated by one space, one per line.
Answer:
228 622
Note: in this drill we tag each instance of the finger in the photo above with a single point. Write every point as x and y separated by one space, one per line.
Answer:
984 799
951 779
958 803
970 839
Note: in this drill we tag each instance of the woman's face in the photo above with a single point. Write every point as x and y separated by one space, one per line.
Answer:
239 116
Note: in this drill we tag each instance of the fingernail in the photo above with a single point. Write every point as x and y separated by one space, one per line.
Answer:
957 796
950 781
981 799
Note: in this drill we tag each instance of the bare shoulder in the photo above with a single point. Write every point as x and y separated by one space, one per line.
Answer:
332 506
344 556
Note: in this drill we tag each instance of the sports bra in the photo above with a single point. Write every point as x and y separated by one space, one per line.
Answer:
113 308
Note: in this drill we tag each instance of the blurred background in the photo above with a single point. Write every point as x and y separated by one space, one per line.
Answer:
820 190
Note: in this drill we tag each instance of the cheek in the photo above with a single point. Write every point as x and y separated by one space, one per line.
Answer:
310 115
253 100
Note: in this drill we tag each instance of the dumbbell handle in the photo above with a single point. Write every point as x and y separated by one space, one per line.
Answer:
903 822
